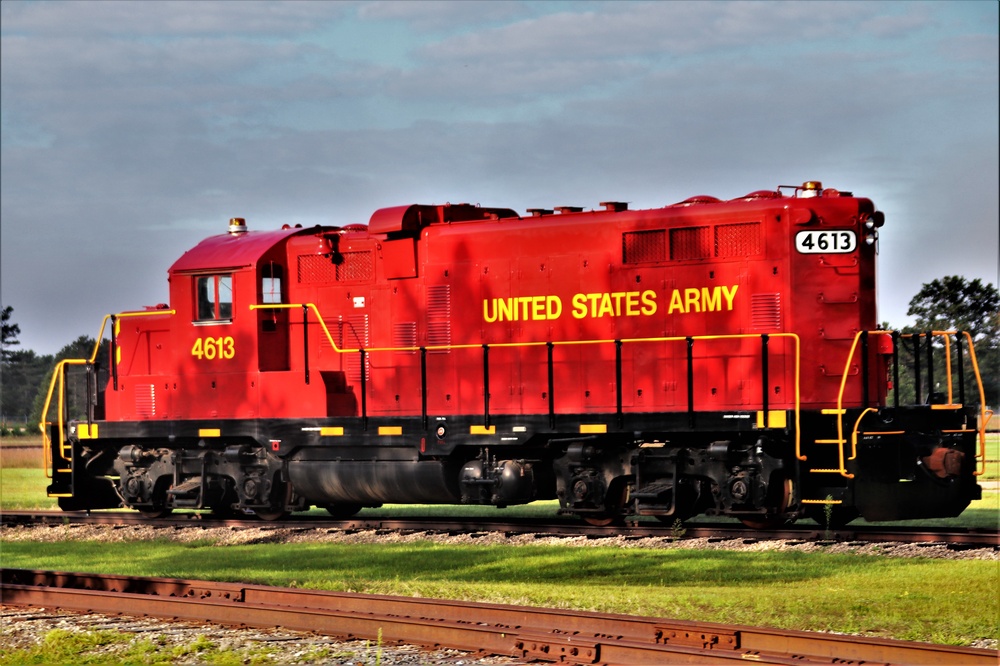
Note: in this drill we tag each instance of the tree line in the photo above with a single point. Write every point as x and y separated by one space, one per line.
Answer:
26 376
950 303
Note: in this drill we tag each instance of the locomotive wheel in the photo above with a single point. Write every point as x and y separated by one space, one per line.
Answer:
342 511
222 511
277 511
769 521
614 501
271 516
153 514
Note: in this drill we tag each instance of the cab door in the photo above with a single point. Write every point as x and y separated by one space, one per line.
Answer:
272 323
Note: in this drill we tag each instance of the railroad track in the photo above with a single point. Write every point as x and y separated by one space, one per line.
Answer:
532 634
953 537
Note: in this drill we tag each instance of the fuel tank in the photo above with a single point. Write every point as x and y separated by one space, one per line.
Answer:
375 482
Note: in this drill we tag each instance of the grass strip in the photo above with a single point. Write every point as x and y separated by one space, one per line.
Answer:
941 601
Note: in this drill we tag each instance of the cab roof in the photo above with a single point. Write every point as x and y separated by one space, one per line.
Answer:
233 251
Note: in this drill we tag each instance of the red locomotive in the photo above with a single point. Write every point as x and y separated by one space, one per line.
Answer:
709 357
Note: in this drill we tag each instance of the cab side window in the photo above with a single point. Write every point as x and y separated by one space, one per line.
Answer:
215 297
270 283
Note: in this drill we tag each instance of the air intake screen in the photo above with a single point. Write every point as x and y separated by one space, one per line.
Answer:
353 267
690 243
642 247
737 240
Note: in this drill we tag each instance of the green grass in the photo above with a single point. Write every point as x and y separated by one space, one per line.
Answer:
943 601
23 488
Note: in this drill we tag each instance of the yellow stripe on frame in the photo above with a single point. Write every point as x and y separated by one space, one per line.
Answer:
83 431
390 430
332 431
593 428
482 430
776 418
209 432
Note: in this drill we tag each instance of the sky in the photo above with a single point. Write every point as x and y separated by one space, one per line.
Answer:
131 131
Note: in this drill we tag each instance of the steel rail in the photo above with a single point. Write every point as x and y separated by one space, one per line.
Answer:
528 633
959 537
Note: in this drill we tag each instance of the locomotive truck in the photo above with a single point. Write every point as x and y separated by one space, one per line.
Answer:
707 357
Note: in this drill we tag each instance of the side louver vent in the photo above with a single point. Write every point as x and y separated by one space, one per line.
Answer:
765 312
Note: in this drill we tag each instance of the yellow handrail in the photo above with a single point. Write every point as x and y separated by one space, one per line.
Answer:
985 414
560 343
840 401
59 377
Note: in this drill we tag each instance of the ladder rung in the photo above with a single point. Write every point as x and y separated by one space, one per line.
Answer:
827 471
831 441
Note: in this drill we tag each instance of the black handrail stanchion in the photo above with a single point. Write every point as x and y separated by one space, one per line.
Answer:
916 368
486 384
765 380
364 391
930 367
690 374
864 368
114 353
305 340
961 368
895 369
620 417
423 386
552 382
91 393
98 393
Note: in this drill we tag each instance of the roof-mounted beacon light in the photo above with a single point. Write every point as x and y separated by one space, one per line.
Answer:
237 225
812 188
